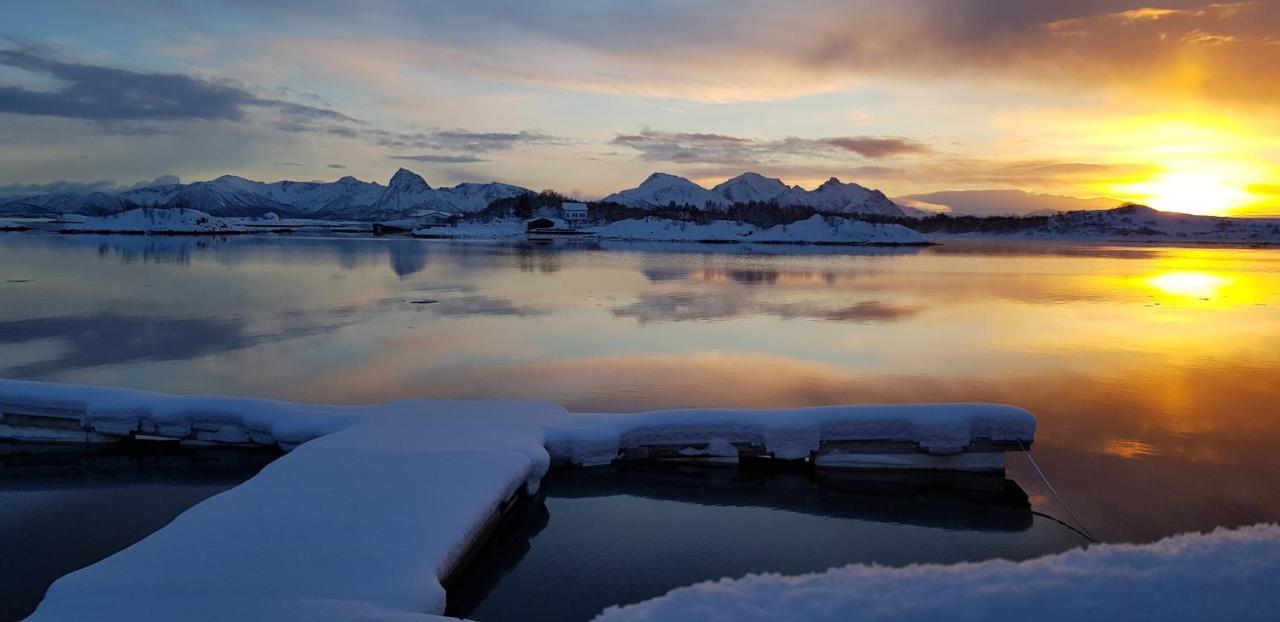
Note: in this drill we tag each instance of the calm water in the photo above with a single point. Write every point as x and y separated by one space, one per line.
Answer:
1155 372
613 536
62 510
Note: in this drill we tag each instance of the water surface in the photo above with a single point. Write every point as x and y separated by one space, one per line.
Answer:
1154 371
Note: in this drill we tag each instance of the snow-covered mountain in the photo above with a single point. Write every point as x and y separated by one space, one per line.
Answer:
836 196
661 189
408 193
347 198
749 187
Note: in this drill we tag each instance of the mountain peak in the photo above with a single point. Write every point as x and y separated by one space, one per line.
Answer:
749 187
664 178
406 180
834 181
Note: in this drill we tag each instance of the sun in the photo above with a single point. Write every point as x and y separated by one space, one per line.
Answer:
1206 193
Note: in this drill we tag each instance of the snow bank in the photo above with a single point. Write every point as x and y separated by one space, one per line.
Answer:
1225 575
154 220
814 230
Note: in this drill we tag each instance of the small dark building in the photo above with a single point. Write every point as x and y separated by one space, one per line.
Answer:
540 223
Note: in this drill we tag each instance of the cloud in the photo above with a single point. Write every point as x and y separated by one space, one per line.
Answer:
439 158
665 51
64 186
1003 202
870 147
163 180
59 187
710 148
465 140
114 95
337 166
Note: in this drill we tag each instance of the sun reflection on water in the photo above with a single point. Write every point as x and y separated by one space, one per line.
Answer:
1201 285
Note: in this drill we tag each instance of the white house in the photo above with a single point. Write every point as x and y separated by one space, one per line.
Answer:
574 214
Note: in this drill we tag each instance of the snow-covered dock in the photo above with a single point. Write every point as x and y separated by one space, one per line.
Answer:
962 437
374 505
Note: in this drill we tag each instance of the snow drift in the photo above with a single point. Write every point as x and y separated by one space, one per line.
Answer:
1224 575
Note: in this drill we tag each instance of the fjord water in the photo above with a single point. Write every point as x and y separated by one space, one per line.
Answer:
1154 371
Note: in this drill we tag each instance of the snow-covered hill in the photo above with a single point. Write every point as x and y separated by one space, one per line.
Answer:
154 220
1136 223
661 190
345 199
1140 221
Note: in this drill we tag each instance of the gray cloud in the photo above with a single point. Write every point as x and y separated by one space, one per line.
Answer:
64 186
439 158
710 148
464 140
871 147
163 180
337 166
121 96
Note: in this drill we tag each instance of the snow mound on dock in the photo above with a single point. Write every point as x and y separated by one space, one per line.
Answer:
155 220
1224 575
789 434
813 230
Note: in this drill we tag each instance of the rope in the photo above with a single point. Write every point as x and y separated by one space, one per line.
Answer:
1084 531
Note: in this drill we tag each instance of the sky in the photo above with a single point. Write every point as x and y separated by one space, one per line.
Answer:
981 106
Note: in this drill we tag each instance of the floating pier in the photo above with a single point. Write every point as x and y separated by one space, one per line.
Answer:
374 506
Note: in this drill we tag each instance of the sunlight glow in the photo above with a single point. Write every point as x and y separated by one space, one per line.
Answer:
1207 193
1190 284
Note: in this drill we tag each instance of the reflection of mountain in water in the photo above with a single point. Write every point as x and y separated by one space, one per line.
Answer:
150 249
761 250
408 257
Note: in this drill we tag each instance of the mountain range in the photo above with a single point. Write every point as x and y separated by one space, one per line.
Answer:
662 189
408 193
347 198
